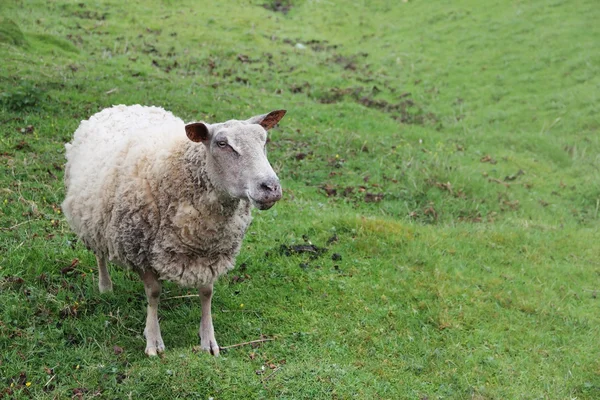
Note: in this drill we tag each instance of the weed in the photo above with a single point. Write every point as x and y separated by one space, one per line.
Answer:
25 95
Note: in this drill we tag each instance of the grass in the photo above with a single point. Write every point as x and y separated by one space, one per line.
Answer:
446 154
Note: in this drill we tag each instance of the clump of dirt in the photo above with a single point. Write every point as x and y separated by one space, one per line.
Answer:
335 95
427 214
354 193
87 14
309 253
311 249
23 145
282 6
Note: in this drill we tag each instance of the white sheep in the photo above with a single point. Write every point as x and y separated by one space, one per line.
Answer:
169 200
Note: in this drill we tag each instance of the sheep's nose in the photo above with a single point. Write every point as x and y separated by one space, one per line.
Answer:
270 186
271 190
266 193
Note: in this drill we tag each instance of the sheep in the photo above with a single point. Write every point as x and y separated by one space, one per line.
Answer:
169 200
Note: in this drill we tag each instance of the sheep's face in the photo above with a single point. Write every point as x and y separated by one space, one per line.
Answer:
237 159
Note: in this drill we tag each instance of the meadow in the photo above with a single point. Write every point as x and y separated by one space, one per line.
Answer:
438 237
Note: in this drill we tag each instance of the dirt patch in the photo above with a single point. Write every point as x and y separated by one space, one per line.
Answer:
310 249
406 111
427 214
94 15
353 193
335 95
23 146
351 62
299 87
282 6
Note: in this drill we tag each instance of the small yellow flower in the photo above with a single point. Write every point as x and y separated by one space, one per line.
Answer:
28 384
242 305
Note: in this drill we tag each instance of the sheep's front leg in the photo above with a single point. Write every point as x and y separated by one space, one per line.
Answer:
207 331
104 282
154 342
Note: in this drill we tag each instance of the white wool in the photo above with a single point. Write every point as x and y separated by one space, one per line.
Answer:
102 144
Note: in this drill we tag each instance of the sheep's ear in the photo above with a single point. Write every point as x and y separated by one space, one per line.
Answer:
197 132
269 120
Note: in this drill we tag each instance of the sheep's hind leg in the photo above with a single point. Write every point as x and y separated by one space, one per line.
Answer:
207 331
154 342
104 282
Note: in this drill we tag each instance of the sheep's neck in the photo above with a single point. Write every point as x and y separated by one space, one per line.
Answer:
206 191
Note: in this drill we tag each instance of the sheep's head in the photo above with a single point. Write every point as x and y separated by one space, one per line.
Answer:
237 158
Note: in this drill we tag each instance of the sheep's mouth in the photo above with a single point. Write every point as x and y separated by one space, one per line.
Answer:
263 205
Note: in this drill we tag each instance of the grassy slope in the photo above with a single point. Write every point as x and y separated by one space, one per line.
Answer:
455 281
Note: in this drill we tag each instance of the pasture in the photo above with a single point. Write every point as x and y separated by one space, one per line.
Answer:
438 236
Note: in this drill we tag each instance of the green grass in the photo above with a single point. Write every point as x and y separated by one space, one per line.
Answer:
451 148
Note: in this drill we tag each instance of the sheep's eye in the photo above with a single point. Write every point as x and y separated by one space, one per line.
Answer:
222 143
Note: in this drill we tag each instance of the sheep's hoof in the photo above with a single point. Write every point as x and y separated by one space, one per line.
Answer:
212 347
154 346
106 288
152 351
